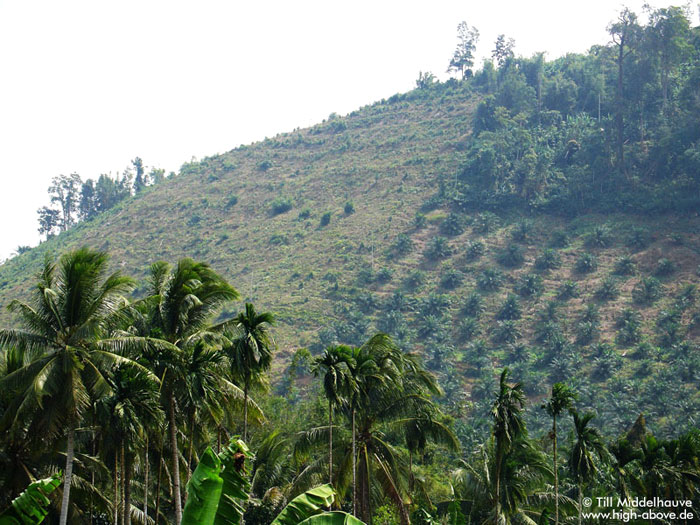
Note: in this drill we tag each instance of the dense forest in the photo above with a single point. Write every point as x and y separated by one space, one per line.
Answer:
522 345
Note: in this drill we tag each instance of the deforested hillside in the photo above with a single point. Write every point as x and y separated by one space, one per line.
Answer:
539 215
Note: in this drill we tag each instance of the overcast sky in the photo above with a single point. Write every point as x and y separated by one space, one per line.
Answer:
86 86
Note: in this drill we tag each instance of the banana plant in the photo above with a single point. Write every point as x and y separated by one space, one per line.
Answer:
219 489
31 507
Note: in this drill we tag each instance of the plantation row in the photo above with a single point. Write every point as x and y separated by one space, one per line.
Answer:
124 396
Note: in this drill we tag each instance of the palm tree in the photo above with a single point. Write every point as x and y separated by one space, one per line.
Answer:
587 451
250 350
65 337
333 364
182 301
562 399
127 415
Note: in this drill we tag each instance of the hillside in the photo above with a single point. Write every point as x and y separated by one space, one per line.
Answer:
596 299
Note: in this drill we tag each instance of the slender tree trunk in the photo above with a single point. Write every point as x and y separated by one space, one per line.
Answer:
92 478
123 486
145 486
128 465
556 474
189 453
330 443
619 119
580 502
160 476
410 470
218 440
176 466
68 476
116 488
245 412
354 466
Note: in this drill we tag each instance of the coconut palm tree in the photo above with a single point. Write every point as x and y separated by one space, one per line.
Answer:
337 380
587 452
250 350
562 398
181 303
69 355
126 415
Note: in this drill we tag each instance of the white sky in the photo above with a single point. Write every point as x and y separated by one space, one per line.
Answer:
85 86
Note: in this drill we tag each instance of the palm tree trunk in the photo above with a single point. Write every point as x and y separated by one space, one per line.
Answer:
556 474
160 476
330 443
116 488
580 502
189 453
68 476
128 464
145 485
354 466
245 412
218 440
123 486
176 466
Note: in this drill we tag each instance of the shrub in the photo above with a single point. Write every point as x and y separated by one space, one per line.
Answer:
438 248
608 289
548 260
469 328
451 279
452 225
510 309
278 239
486 222
264 165
434 304
560 239
530 285
625 265
647 291
367 302
475 249
686 297
349 208
304 214
419 221
522 231
326 218
511 257
231 202
415 279
365 276
591 314
402 245
432 327
489 279
280 205
384 275
664 268
506 331
586 263
628 324
638 239
669 328
600 237
473 305
568 290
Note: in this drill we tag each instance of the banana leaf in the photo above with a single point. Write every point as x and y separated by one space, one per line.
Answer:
203 491
31 507
305 505
236 486
332 518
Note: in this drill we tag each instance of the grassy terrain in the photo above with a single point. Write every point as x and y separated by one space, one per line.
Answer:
255 214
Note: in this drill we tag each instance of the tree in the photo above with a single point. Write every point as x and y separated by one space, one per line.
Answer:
250 350
588 450
337 381
622 33
463 57
182 301
141 178
48 221
88 200
562 398
503 50
64 335
64 191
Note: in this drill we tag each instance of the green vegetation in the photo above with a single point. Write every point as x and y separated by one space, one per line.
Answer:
535 214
